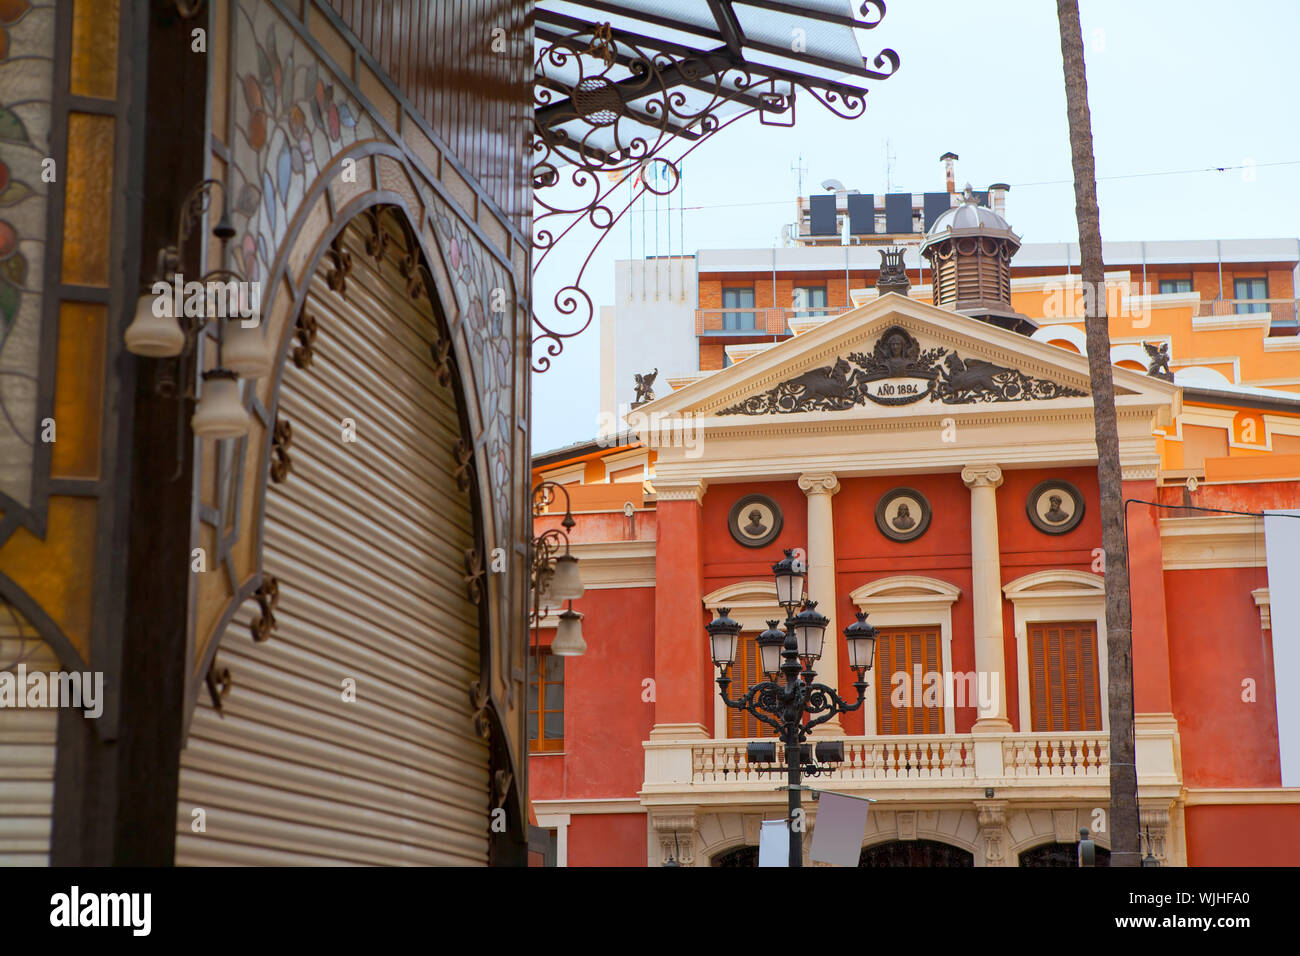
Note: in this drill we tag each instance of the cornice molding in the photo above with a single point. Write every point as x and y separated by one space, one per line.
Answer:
679 489
1217 541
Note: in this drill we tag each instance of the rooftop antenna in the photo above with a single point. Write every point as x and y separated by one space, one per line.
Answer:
799 168
889 168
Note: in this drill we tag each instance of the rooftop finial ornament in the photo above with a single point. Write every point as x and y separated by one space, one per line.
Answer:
893 274
968 196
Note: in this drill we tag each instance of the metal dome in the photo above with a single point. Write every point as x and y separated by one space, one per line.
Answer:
969 216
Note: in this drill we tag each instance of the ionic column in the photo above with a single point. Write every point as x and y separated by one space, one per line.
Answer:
986 591
821 577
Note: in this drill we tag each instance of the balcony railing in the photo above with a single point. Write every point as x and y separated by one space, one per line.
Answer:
1284 314
931 757
754 321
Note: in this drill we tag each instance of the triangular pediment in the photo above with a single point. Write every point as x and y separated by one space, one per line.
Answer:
895 355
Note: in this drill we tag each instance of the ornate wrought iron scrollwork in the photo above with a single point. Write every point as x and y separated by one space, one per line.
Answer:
305 331
608 102
464 463
219 681
479 699
474 574
340 266
441 353
281 439
378 240
267 596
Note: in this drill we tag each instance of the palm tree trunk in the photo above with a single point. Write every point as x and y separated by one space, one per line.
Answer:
1123 823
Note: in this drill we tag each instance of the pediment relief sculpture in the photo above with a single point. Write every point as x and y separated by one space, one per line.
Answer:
898 371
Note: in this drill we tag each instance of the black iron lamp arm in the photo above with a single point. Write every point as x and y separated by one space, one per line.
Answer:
824 701
768 701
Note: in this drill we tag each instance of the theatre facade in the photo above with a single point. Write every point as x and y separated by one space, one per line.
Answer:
936 468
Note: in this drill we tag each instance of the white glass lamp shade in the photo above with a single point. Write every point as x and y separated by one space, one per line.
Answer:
723 632
568 635
789 573
245 351
220 413
770 645
566 583
810 631
151 335
860 639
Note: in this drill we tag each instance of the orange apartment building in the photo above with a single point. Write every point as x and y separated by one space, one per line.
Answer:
973 414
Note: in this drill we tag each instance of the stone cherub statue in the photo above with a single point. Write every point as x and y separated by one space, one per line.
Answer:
644 386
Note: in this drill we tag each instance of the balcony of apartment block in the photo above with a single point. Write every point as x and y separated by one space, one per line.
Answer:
748 322
1283 315
1026 766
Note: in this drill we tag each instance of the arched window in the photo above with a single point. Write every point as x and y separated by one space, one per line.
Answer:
1059 854
915 853
740 856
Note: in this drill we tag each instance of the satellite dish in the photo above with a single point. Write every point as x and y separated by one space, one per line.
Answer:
833 184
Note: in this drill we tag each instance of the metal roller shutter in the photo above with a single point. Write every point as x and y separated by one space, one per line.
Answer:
27 744
367 542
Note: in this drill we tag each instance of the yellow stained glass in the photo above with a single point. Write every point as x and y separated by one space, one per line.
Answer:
88 205
79 390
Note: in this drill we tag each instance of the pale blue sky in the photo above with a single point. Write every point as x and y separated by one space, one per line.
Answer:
1172 86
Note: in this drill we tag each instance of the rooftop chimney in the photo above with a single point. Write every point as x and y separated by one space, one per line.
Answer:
950 170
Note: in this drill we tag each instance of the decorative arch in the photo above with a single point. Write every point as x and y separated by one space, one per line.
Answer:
934 853
1062 336
1057 594
908 600
1133 357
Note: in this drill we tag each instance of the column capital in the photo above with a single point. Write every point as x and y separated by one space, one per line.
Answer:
981 476
680 489
821 483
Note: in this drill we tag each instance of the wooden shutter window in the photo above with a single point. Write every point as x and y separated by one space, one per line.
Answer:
909 650
745 673
1065 688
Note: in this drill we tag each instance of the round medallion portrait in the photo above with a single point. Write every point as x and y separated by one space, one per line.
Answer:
903 514
1055 507
755 521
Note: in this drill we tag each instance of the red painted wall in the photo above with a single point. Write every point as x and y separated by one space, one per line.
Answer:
605 719
607 839
1217 643
1254 835
863 555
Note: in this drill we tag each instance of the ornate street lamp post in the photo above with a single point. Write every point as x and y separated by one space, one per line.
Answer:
789 701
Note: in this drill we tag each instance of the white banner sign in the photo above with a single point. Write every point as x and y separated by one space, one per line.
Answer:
1282 551
841 825
773 844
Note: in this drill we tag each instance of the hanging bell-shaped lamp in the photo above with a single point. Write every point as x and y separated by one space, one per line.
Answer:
568 635
153 335
220 413
566 583
245 351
